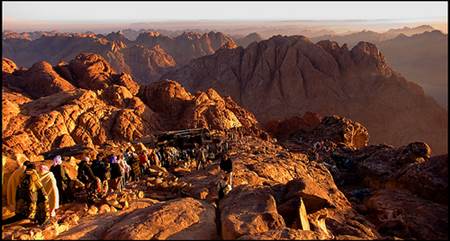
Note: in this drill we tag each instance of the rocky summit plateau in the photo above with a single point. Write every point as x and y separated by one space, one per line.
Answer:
325 141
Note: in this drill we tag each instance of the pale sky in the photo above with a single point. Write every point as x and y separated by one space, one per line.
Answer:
148 11
112 16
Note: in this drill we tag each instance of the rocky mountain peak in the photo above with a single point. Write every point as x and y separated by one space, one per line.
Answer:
367 55
296 76
91 70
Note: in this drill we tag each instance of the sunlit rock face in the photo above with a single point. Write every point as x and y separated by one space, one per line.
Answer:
287 76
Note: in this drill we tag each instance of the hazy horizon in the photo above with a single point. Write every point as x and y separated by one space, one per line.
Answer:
104 17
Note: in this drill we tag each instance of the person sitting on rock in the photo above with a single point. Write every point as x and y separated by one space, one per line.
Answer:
226 165
31 199
223 189
62 180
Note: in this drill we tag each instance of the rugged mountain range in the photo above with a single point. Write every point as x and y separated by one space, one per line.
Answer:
372 36
250 38
420 54
27 35
146 59
186 46
86 102
422 58
285 189
286 76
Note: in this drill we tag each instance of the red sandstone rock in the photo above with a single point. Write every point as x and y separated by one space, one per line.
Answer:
287 76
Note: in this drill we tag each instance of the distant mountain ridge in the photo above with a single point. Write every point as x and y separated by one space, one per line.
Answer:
146 59
372 36
419 53
422 58
287 76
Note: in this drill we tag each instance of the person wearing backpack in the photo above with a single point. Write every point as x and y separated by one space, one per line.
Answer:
88 178
31 199
13 182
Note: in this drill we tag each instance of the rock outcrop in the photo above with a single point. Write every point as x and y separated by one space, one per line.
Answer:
40 80
103 106
383 182
204 109
186 46
268 183
288 76
176 219
247 40
258 214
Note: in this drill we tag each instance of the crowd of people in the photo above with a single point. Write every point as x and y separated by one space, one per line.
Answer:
35 192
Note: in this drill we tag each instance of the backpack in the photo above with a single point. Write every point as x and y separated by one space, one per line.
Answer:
25 198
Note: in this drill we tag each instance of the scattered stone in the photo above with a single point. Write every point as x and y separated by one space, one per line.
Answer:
105 208
93 210
140 194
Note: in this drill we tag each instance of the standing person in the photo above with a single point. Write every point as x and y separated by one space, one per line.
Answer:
125 170
106 174
226 165
144 162
96 165
50 185
135 167
154 158
100 170
116 174
62 180
31 199
201 159
85 173
127 155
91 183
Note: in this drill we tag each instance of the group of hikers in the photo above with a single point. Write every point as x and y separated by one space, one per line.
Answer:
35 192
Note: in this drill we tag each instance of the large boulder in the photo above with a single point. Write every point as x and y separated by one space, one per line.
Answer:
185 218
248 212
91 71
428 179
337 129
40 80
184 110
